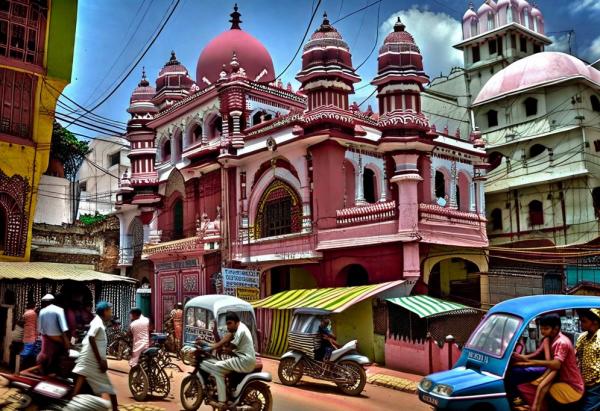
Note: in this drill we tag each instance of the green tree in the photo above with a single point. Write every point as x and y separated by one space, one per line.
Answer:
68 150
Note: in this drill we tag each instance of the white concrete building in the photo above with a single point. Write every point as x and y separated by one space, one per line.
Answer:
99 175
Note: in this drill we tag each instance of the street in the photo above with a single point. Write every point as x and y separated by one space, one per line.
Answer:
309 395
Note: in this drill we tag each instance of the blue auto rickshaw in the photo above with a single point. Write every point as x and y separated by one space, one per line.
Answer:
476 382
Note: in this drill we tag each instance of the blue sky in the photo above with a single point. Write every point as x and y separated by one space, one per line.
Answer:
111 33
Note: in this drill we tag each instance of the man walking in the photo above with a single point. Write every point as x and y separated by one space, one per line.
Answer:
30 334
140 334
91 366
55 341
588 355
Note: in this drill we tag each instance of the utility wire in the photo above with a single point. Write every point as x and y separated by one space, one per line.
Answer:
376 39
357 11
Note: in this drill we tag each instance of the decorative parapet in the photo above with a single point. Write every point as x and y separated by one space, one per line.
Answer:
186 245
433 212
367 214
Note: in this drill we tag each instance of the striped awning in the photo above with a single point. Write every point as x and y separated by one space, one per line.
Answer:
334 300
425 306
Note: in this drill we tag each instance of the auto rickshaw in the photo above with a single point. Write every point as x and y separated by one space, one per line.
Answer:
477 380
344 367
204 317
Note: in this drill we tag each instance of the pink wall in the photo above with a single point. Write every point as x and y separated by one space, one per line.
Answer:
328 158
414 357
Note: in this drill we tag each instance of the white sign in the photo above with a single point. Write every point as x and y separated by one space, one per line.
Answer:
233 278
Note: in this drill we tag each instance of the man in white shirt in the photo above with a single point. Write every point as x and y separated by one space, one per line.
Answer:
140 334
52 326
91 366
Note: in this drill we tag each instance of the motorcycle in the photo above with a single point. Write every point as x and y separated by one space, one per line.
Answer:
345 366
247 392
53 392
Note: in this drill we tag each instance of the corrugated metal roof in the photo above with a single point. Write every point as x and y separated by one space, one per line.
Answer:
55 271
425 306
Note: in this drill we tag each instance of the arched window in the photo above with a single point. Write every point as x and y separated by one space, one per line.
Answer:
536 150
535 24
166 150
279 211
257 118
595 103
496 219
473 27
596 201
531 106
369 184
440 184
457 196
490 21
215 127
536 213
492 118
494 160
509 14
525 17
197 133
3 228
178 219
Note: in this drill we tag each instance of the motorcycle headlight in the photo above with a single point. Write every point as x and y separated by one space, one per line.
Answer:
443 389
425 384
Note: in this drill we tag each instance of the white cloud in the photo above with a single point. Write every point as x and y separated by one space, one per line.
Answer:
592 53
560 43
586 6
434 33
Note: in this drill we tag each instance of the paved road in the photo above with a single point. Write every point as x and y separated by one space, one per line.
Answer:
308 396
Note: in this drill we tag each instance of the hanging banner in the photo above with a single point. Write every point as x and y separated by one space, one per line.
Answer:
234 279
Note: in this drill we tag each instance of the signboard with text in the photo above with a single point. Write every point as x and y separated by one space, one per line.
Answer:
247 293
246 281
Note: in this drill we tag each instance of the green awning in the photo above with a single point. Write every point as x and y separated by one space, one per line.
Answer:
425 306
334 300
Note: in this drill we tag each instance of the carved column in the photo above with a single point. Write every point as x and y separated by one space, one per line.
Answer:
204 128
237 140
453 185
407 179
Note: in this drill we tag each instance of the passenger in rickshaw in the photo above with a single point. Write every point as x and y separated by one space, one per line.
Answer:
562 380
588 355
328 339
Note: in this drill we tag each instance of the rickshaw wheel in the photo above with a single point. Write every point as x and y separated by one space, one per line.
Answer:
257 395
289 371
358 376
138 383
191 393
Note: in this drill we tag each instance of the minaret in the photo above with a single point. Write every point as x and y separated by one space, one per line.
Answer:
327 75
400 80
172 84
141 137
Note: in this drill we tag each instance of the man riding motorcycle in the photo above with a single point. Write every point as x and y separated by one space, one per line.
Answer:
238 340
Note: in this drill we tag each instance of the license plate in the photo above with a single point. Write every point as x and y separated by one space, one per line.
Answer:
430 400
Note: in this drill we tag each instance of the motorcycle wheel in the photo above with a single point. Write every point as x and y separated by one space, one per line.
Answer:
357 376
257 395
138 383
161 383
289 371
191 393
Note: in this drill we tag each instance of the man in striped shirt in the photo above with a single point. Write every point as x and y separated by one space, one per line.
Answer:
239 339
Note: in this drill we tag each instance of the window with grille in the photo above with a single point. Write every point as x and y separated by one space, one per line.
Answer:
279 211
536 213
22 31
16 108
278 217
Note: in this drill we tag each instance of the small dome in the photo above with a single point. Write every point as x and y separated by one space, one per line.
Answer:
470 13
522 4
502 3
536 70
487 7
535 12
399 53
144 91
326 47
172 70
252 55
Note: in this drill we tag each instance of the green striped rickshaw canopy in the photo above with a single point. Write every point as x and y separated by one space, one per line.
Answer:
425 306
334 300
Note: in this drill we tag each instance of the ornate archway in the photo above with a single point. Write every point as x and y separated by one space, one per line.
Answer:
13 198
279 211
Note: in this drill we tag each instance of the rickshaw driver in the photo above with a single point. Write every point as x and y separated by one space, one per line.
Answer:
239 340
328 337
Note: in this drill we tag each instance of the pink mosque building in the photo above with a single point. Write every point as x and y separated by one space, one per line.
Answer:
233 169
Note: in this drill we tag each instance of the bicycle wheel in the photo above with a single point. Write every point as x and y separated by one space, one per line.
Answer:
161 385
138 383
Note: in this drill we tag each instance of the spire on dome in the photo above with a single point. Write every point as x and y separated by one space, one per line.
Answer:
399 26
235 18
144 81
326 25
173 60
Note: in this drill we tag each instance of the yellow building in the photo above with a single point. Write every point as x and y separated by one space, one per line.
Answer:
36 53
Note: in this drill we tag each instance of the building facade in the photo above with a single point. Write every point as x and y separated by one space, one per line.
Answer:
36 54
234 169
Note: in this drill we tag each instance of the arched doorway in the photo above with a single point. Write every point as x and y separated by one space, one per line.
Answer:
279 211
455 279
178 219
354 275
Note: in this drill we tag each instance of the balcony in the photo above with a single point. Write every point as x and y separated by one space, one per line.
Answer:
444 225
371 213
288 247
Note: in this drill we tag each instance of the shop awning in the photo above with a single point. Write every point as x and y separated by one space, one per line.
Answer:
425 306
334 300
55 271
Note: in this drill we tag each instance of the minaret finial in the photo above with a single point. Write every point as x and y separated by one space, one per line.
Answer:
144 81
399 26
173 60
235 18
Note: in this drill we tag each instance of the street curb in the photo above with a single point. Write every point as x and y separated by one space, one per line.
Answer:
394 383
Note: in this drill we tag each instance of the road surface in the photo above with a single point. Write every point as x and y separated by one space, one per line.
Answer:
307 396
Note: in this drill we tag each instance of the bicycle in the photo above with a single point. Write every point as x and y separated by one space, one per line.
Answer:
149 376
164 356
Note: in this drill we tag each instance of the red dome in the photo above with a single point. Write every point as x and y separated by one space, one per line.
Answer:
252 56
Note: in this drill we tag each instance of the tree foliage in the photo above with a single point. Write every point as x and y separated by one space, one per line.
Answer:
91 219
68 150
